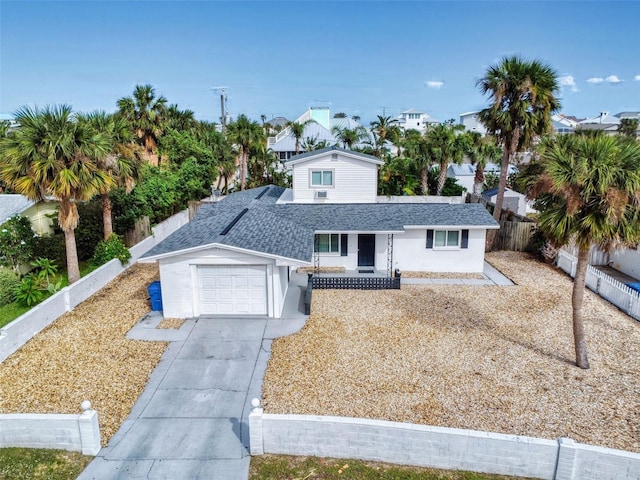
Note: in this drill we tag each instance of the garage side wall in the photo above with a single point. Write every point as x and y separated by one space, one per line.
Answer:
178 276
410 253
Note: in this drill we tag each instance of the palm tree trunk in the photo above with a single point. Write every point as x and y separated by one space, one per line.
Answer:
106 216
243 171
73 268
478 181
502 184
576 303
442 177
424 174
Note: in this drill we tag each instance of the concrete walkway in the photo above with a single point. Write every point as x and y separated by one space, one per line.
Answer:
191 421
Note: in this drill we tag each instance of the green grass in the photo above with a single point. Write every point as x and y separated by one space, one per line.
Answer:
27 464
282 467
11 311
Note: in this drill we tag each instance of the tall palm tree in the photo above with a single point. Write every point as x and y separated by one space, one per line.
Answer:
384 129
244 132
481 151
587 193
446 142
297 130
51 155
522 98
122 162
146 114
176 119
350 136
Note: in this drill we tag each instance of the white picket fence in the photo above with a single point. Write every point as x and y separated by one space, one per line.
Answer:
625 298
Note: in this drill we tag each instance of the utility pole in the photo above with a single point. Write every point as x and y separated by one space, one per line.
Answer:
223 113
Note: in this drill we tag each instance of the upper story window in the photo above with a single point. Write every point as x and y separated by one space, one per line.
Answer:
322 178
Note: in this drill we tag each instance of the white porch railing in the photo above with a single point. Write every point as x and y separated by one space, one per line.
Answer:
625 298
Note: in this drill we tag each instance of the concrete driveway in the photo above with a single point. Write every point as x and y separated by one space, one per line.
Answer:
191 421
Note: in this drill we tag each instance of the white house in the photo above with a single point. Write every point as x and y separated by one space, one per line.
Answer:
414 119
472 123
234 258
465 173
39 213
514 201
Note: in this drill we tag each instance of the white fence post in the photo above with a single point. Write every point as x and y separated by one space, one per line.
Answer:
566 459
89 430
256 439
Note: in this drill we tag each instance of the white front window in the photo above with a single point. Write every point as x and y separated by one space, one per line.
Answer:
446 238
322 178
327 243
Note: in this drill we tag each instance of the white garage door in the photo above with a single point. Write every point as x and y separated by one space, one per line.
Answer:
232 290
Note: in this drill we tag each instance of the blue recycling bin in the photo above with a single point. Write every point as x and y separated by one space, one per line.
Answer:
155 292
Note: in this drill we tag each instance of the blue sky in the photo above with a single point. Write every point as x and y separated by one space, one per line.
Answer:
278 58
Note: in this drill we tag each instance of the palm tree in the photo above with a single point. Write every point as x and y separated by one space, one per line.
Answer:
384 129
51 155
587 193
522 96
146 114
481 151
297 130
445 143
181 120
244 132
350 136
121 162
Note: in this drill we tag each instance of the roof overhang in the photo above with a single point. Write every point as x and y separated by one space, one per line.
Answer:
220 246
344 152
452 227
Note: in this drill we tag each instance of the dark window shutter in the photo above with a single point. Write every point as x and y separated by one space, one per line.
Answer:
344 238
429 238
465 239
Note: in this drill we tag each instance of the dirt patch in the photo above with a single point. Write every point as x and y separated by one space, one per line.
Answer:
84 355
171 323
453 275
321 270
490 358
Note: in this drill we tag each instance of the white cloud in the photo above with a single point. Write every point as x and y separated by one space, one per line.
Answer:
613 79
595 80
568 81
434 84
637 78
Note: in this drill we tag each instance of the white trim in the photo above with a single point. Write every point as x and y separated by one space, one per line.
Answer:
346 153
452 227
221 246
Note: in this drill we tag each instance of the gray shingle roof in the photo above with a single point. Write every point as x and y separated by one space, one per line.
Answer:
287 230
321 151
11 205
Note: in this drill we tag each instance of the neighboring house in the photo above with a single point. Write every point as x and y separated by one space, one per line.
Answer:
235 257
513 201
37 212
319 129
472 123
414 119
465 173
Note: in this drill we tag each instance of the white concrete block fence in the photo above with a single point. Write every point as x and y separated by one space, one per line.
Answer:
436 447
76 433
23 328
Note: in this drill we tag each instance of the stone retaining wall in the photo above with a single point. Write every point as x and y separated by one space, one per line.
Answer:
436 447
76 433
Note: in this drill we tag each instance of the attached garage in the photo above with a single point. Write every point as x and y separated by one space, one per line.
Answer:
232 290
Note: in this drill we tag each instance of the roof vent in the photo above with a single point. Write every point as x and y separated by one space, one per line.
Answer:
234 221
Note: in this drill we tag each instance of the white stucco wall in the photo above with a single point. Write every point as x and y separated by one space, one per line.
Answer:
354 181
627 261
410 253
179 280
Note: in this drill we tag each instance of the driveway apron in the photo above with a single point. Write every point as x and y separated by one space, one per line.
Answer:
191 420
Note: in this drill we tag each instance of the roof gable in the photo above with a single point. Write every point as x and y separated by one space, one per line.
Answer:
304 157
11 204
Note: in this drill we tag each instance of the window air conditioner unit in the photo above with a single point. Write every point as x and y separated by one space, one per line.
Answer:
321 194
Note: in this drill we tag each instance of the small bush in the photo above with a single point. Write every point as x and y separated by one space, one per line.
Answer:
35 286
112 247
9 280
53 248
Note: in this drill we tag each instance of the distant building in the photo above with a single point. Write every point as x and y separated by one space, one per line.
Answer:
472 123
414 119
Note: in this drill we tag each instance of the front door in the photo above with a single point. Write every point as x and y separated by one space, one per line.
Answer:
366 250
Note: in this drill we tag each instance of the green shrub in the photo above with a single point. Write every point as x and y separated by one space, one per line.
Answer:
53 248
9 280
36 285
28 292
90 228
112 247
16 241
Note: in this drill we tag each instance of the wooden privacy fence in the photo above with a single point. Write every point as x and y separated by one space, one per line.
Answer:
514 236
140 231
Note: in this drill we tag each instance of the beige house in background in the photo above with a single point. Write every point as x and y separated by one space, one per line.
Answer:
38 213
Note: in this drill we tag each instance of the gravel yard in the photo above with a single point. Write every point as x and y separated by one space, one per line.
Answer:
480 357
84 355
